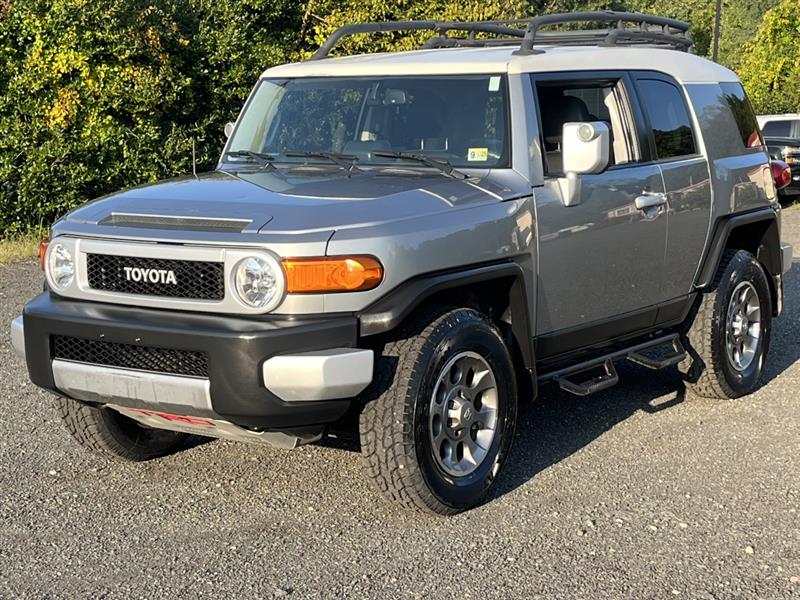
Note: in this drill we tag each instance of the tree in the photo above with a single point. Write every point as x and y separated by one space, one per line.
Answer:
770 67
99 95
740 20
94 95
336 13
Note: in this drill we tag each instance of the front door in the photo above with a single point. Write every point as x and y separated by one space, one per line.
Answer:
601 262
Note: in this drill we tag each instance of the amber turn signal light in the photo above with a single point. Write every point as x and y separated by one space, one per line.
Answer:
331 274
43 252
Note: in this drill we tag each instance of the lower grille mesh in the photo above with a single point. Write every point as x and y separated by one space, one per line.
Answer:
129 356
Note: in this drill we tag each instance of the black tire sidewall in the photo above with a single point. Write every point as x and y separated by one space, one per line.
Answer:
475 336
743 268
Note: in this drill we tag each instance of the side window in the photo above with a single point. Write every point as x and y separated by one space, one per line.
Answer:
567 102
733 95
778 128
669 118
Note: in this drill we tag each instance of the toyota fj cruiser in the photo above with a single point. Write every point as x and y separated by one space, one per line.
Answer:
418 240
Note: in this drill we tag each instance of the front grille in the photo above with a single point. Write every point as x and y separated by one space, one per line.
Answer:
192 279
129 356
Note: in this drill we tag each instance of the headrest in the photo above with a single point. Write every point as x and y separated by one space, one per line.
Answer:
557 111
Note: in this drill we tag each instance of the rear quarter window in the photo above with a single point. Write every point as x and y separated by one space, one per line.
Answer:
734 97
669 118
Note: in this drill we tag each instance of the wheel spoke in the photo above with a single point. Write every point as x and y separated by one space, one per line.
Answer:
472 452
753 312
745 296
483 438
483 381
487 418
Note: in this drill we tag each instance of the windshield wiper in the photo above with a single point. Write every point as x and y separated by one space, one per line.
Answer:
265 160
345 161
444 166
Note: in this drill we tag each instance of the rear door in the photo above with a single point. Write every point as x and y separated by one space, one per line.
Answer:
600 262
675 149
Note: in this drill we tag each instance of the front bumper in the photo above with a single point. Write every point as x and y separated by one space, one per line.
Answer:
264 373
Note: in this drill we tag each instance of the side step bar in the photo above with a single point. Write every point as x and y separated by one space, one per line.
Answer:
608 378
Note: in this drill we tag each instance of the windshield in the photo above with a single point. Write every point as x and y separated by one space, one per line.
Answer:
459 119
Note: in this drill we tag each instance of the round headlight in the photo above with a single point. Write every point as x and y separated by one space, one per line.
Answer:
258 282
61 266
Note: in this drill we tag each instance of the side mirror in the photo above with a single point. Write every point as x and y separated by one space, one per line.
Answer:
229 129
585 148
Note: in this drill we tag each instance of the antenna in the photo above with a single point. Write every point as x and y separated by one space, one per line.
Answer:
194 160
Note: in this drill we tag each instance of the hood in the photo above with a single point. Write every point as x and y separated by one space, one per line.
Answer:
288 201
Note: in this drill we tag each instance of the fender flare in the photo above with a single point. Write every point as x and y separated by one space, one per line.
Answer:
388 312
768 253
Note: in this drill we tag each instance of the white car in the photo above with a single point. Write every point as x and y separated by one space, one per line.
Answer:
780 126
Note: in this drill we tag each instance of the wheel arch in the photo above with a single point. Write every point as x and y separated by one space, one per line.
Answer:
758 232
498 290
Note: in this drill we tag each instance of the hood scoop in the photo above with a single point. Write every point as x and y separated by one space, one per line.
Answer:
182 223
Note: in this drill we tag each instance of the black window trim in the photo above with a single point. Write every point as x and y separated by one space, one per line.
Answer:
639 76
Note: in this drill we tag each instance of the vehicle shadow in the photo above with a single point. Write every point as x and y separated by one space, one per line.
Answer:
559 424
785 350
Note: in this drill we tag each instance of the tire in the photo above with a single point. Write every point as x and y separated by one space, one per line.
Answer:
712 369
115 436
402 427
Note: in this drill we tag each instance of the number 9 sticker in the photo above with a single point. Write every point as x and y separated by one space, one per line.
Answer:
478 154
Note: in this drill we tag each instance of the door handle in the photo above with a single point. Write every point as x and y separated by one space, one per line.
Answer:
648 200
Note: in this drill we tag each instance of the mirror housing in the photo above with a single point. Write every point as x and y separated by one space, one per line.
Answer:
229 128
585 149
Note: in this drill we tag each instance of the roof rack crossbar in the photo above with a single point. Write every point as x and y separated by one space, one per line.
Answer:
672 33
441 27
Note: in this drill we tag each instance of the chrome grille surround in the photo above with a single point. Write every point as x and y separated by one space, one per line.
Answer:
229 304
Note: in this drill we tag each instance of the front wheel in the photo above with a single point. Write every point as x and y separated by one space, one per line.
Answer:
440 415
108 433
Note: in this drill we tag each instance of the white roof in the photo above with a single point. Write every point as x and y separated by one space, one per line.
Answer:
684 67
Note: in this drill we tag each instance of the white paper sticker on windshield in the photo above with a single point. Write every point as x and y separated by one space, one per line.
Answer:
478 154
494 84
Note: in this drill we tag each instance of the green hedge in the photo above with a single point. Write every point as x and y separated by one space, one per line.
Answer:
97 95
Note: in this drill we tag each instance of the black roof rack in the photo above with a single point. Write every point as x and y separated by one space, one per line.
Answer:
499 28
648 29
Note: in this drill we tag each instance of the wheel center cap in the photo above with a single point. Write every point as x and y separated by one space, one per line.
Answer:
466 413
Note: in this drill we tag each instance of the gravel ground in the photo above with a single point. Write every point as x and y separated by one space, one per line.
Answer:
637 492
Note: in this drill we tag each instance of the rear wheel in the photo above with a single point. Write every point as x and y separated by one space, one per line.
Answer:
729 337
110 434
440 415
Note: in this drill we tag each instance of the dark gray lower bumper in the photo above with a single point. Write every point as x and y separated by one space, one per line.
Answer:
241 351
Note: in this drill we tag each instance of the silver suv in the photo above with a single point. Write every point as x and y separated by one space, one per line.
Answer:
408 244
